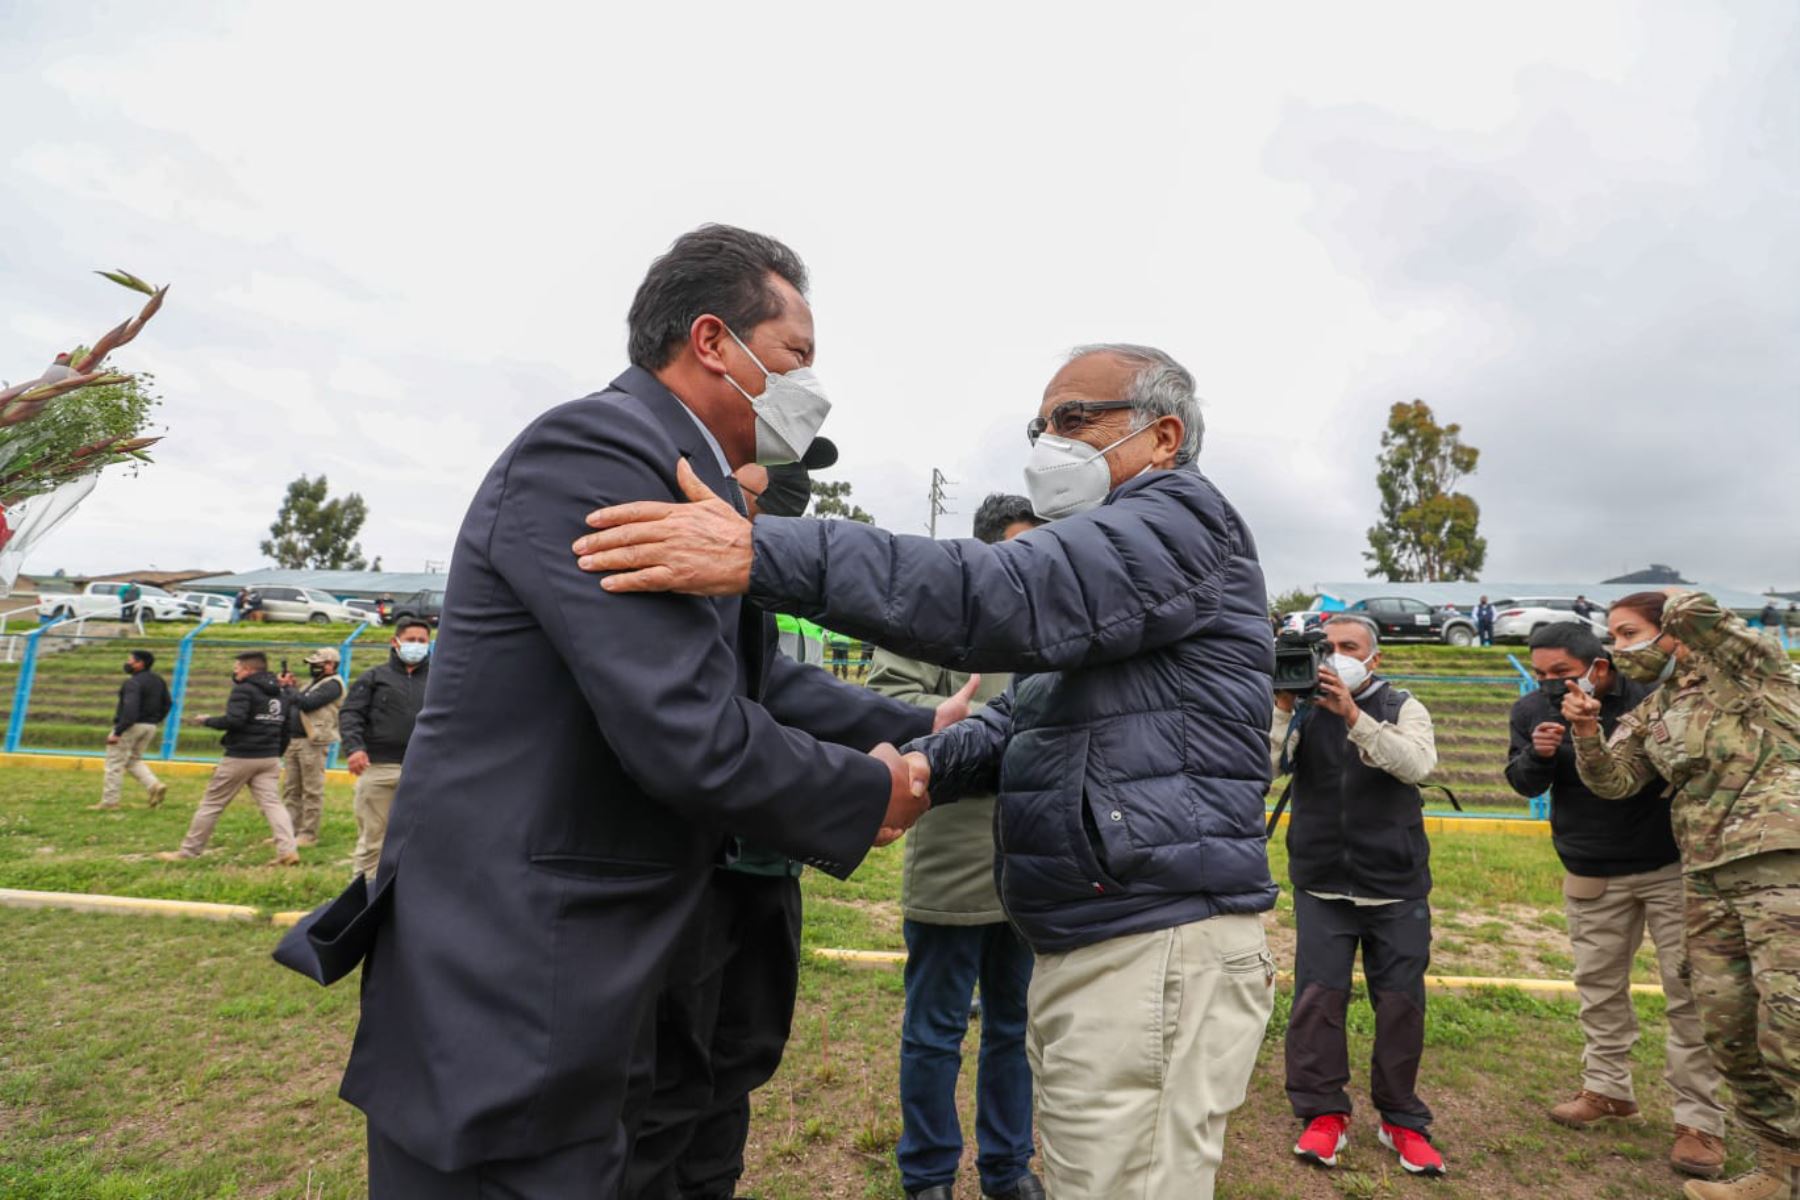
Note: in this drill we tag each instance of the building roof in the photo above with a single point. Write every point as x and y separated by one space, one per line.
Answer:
338 583
1466 595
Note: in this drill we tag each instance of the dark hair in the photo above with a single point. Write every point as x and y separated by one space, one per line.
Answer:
406 623
254 656
1648 605
1000 512
717 269
1575 637
145 657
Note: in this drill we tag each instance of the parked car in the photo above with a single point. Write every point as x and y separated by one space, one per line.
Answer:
207 605
305 604
1516 620
365 610
1402 619
426 605
103 601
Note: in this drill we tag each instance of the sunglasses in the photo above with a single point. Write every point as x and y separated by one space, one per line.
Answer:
1071 418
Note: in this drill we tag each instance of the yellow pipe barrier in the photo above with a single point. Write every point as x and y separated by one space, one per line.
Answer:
78 762
136 906
1441 983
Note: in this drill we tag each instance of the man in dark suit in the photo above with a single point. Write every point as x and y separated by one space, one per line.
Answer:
584 760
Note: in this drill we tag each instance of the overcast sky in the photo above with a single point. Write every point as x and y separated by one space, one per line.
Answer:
395 233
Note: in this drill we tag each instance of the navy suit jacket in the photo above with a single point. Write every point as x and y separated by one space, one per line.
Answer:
580 764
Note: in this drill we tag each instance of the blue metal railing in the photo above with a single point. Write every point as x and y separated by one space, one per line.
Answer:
178 689
15 722
1540 805
346 648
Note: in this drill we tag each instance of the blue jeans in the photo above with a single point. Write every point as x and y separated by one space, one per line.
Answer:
943 963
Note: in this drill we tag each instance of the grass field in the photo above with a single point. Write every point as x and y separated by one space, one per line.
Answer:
170 1059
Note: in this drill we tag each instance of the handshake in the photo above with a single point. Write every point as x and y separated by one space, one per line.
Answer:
909 775
909 791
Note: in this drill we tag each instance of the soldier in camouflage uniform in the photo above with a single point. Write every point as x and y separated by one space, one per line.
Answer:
1724 730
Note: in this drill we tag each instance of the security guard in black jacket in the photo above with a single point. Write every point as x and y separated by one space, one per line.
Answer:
374 727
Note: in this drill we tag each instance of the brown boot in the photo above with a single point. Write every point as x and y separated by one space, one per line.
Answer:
1698 1154
175 855
1777 1183
306 839
157 792
285 860
1591 1108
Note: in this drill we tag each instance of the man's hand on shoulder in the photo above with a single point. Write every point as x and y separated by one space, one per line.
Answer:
702 547
909 778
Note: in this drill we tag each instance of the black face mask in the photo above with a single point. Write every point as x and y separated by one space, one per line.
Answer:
316 670
788 493
1555 690
130 669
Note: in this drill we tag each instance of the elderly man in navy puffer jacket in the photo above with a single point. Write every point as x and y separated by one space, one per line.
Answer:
1130 757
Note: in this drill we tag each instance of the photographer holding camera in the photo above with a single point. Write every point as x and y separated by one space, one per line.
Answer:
1357 749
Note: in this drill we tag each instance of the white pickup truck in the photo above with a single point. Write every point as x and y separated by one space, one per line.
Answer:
104 601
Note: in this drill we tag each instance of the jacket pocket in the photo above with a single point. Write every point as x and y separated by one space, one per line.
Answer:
587 866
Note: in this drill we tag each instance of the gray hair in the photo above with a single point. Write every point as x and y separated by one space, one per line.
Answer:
1161 388
1353 619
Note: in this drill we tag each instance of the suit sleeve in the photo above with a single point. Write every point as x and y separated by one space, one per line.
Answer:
657 670
1529 775
237 712
353 718
1099 587
965 758
131 704
819 703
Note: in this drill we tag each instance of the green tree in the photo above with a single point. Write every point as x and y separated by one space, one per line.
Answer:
1428 528
833 500
1295 600
313 531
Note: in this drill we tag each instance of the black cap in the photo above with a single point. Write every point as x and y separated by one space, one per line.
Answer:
821 454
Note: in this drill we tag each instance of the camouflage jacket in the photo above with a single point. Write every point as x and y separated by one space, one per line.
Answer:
1725 733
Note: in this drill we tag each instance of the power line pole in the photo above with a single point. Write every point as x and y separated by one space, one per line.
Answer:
936 499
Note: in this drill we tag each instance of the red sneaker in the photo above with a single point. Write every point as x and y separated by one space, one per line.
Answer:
1415 1150
1324 1137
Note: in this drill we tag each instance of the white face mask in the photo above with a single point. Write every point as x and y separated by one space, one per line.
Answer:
413 653
1064 477
1353 671
788 413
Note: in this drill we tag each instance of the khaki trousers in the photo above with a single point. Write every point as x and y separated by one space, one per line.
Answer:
1140 1046
303 785
1605 933
230 777
127 754
374 798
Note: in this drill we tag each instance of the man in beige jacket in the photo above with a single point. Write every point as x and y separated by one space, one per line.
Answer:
303 766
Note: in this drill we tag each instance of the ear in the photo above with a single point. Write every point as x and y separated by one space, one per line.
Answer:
707 338
1167 438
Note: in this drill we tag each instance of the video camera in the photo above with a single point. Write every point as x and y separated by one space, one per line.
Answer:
1298 657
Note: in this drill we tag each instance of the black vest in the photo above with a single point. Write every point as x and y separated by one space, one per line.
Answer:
1354 830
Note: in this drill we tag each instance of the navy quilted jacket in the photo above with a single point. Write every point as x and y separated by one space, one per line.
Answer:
1131 757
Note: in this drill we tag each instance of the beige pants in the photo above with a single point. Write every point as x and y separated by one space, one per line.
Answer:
374 798
230 777
127 754
303 785
1605 933
1140 1046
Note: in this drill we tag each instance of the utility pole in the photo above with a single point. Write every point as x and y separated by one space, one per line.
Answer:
936 499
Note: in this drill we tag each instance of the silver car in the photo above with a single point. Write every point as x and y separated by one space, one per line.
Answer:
308 605
1516 620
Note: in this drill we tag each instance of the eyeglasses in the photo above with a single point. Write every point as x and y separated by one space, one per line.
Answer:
1070 418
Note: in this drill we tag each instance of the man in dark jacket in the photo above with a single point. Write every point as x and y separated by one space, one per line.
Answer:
374 727
256 736
1623 876
143 704
1130 759
585 761
1484 622
957 936
1361 868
